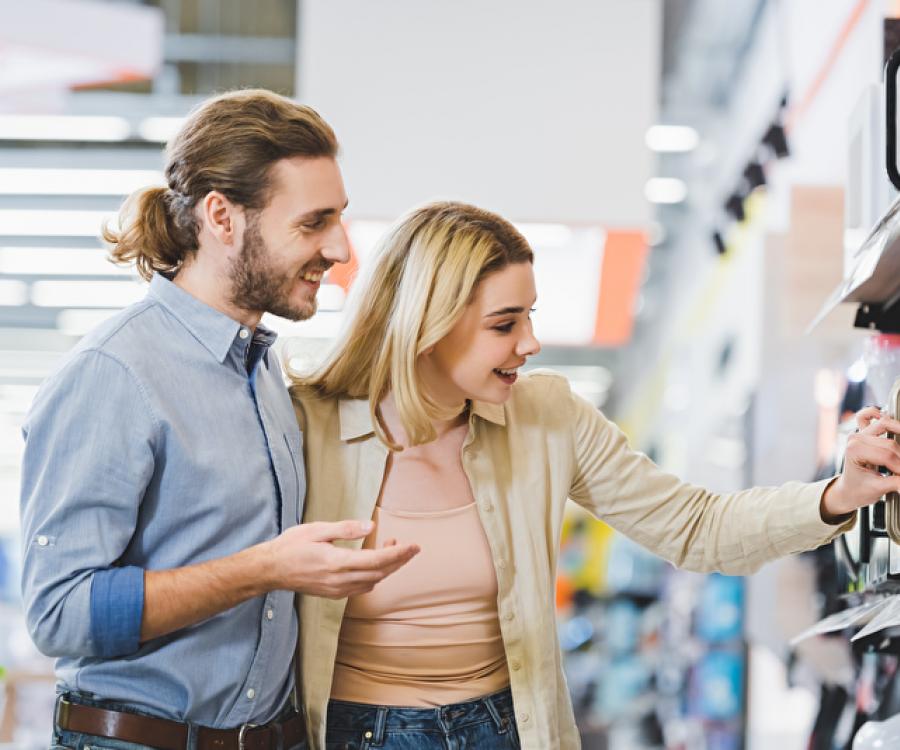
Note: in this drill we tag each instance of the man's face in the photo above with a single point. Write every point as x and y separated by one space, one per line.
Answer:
288 245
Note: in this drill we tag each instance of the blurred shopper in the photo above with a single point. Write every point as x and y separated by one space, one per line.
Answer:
421 421
161 480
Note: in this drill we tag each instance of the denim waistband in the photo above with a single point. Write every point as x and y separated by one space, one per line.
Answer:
497 706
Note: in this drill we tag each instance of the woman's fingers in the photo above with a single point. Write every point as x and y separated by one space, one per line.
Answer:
880 426
875 451
865 416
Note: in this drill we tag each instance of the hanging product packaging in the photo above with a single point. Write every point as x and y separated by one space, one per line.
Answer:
892 499
851 617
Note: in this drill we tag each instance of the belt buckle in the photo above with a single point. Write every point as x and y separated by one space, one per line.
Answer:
61 711
242 734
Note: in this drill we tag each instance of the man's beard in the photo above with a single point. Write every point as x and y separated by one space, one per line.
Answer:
256 284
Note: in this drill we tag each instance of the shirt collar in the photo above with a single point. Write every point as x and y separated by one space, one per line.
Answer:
356 421
490 412
215 330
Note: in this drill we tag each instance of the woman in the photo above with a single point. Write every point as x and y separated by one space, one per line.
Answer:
421 421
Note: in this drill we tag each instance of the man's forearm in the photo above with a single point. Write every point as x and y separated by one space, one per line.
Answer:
180 597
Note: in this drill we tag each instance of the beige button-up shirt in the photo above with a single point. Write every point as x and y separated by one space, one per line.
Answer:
523 460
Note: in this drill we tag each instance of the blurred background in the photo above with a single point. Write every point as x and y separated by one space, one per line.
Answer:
701 180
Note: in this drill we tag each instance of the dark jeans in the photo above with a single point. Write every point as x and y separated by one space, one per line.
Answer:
66 740
486 723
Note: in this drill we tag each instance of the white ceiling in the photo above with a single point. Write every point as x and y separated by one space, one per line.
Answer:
535 109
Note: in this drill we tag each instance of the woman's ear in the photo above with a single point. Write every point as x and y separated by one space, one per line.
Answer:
428 351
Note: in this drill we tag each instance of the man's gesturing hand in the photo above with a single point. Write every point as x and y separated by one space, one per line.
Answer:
861 482
303 559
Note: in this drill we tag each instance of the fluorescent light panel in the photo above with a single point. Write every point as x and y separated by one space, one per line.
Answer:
13 293
43 223
86 293
665 190
671 138
63 128
159 129
76 181
59 261
79 322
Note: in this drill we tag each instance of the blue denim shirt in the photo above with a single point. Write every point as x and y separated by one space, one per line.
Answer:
166 438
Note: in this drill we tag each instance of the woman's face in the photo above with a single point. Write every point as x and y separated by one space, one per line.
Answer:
480 357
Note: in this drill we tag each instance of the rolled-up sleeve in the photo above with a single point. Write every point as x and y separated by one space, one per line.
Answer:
89 456
690 526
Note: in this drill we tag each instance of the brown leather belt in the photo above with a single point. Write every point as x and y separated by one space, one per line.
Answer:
166 734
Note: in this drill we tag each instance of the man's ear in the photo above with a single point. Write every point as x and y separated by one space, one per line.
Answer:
220 217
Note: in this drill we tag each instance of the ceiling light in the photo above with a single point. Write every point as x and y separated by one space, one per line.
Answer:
86 293
63 128
59 261
858 371
665 190
79 322
76 181
160 129
671 138
13 293
44 223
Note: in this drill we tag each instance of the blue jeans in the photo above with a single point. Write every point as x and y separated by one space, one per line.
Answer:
66 740
486 723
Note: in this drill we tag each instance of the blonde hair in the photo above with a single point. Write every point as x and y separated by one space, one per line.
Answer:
424 274
229 143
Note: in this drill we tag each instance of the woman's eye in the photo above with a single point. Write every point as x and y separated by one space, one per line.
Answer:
505 328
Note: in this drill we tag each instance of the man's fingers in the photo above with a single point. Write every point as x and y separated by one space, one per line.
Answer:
384 558
322 531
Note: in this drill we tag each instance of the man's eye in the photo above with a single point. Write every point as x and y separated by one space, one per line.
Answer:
314 226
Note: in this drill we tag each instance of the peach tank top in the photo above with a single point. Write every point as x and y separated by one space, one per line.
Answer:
428 635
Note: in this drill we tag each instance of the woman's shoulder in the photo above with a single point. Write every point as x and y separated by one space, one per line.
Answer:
539 383
310 405
539 391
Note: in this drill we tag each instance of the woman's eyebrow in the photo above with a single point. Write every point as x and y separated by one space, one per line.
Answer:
505 311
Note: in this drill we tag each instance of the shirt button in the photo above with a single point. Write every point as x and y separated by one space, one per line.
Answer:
524 718
368 735
270 614
487 506
244 333
251 694
516 665
501 563
43 541
509 616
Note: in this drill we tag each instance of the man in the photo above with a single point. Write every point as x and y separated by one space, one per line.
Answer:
163 472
